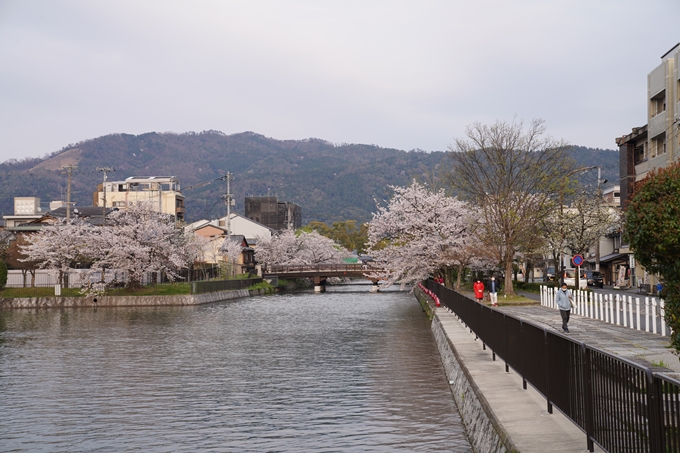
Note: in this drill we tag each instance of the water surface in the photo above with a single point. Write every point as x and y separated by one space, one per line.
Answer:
343 371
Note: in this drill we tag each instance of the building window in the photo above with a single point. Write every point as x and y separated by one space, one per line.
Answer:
658 145
658 103
639 154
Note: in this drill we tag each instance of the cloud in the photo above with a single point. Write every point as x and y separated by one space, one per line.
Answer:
394 73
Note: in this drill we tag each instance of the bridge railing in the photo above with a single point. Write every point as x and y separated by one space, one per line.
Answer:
322 267
620 405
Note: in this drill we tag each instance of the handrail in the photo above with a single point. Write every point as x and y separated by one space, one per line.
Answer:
620 405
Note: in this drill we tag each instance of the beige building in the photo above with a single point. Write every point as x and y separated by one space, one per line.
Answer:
657 143
163 192
654 145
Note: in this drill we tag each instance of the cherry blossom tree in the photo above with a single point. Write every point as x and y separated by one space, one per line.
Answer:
136 241
140 240
59 247
293 248
231 250
416 233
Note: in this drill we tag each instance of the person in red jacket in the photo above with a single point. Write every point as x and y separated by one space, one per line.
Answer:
479 290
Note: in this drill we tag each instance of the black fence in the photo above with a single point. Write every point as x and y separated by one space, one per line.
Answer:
620 405
223 285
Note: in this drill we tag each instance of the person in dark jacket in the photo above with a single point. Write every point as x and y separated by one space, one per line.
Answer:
493 286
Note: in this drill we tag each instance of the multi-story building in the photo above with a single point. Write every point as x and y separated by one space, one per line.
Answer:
26 209
269 211
649 147
163 192
657 143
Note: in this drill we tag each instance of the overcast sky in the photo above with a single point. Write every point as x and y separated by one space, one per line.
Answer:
399 74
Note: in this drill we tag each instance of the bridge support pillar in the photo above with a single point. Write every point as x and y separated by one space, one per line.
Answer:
319 284
374 287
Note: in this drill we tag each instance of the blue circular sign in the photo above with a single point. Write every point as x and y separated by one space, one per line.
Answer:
577 260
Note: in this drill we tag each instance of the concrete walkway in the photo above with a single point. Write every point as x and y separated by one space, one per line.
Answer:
522 413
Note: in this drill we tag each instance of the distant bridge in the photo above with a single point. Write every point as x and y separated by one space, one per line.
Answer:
319 272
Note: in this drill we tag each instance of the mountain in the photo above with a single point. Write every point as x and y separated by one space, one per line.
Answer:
329 181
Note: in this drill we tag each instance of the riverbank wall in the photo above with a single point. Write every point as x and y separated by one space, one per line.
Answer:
484 430
126 301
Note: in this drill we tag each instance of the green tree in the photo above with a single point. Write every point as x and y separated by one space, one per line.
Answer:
652 228
512 175
3 275
346 233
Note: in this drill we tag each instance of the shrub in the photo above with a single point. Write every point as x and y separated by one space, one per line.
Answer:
3 275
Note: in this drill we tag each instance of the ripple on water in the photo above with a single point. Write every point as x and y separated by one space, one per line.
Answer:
341 371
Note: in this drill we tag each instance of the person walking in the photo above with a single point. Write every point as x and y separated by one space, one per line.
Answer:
493 287
564 303
478 287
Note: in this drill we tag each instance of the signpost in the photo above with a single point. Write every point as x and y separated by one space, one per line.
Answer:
577 260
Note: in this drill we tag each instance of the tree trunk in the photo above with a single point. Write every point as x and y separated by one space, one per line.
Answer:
509 290
460 276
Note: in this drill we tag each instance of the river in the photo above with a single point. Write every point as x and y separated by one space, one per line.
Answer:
347 370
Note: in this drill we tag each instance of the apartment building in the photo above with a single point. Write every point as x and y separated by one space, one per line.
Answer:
649 147
657 143
163 192
269 211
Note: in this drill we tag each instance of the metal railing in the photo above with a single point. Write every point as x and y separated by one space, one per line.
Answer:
322 267
620 405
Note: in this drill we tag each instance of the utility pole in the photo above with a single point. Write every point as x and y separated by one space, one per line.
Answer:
227 196
68 170
600 181
104 170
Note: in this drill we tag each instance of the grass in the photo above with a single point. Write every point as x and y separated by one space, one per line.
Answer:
514 300
164 289
507 301
660 363
269 289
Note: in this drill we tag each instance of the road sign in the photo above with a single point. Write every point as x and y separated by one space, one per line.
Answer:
577 260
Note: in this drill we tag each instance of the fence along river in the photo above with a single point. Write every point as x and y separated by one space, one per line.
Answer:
342 371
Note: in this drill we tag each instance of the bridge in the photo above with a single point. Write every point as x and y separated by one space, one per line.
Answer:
319 272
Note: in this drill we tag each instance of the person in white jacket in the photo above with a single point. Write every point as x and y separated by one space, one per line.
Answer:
564 303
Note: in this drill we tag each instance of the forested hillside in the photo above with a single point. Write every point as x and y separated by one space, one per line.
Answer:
331 182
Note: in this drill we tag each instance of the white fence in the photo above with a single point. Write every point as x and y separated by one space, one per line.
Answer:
621 309
76 278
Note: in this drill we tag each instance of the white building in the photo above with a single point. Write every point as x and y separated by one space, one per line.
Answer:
163 192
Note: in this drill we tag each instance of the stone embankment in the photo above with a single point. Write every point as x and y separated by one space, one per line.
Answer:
485 432
126 301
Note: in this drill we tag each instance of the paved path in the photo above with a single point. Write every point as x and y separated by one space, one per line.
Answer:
645 348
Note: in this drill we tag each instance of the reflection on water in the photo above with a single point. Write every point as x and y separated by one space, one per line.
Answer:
343 371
